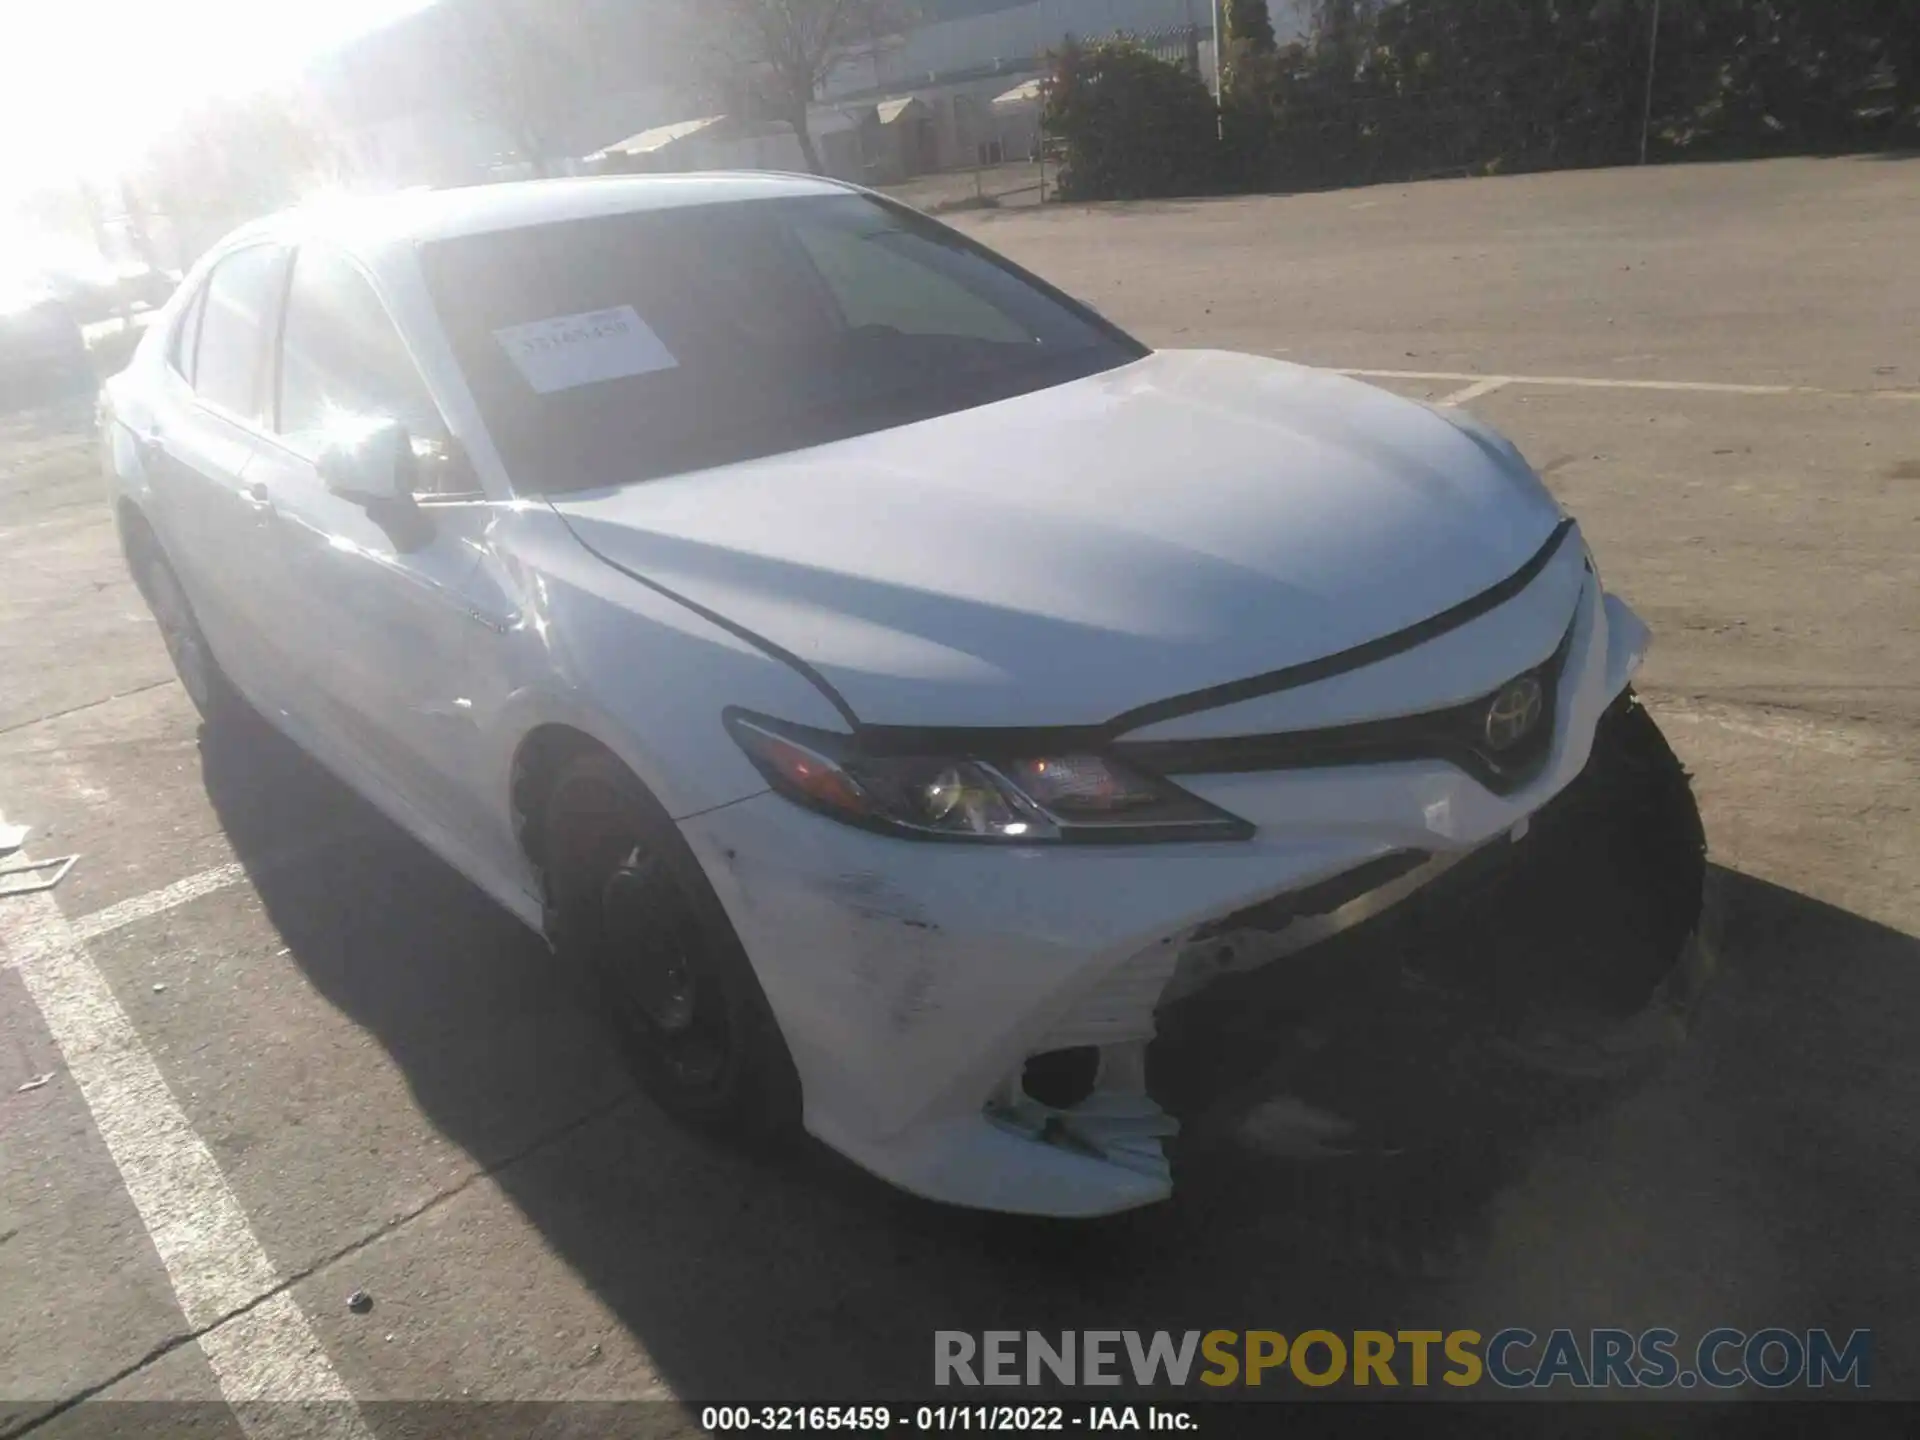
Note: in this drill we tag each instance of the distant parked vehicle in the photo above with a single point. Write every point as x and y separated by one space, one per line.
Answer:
95 293
43 351
146 285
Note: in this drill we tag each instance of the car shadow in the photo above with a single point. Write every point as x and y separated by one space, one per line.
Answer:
790 1275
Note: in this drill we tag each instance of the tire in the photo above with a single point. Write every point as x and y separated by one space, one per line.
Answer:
220 704
630 909
1599 906
1643 843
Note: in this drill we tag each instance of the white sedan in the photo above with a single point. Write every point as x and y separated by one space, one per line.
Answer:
894 681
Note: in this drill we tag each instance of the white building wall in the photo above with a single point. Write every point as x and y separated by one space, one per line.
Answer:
1017 37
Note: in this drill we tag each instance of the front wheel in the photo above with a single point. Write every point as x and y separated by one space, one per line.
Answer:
630 906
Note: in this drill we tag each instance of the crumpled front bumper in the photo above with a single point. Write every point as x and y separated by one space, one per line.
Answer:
913 982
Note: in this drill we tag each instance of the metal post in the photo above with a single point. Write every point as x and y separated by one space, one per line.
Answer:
1653 59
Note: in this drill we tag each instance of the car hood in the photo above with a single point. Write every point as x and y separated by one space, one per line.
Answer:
1184 521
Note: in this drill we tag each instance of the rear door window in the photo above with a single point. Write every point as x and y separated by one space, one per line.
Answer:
242 300
186 333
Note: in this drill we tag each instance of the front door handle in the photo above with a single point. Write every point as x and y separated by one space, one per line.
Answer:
259 497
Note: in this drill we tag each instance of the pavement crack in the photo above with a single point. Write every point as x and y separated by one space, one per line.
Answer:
77 709
334 1257
388 1227
80 1397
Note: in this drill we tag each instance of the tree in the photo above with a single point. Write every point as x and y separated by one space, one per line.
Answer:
516 71
232 160
1340 26
1249 50
1133 126
778 53
1249 26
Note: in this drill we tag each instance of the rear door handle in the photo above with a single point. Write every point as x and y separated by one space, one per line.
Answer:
257 495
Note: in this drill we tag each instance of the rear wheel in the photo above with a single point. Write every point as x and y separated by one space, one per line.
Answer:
206 684
629 905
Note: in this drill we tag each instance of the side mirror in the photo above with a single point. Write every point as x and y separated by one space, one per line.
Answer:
370 464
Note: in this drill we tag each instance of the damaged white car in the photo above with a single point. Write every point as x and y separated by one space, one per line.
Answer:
895 682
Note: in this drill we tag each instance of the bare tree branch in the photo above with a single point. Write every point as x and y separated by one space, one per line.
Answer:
779 51
517 72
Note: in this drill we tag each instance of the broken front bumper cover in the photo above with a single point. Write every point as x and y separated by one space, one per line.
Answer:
913 984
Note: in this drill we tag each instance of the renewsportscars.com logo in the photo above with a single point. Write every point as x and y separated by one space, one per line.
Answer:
1513 1359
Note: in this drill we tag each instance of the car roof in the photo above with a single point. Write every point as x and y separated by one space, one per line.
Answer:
373 223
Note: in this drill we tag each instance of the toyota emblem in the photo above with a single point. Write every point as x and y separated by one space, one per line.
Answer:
1513 713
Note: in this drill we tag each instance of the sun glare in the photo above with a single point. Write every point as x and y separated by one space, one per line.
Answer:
87 85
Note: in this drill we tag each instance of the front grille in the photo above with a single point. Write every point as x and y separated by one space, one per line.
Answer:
1457 735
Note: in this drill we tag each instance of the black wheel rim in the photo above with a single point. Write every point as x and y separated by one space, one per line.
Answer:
659 972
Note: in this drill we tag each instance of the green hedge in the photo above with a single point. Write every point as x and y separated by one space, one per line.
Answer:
1131 126
1435 87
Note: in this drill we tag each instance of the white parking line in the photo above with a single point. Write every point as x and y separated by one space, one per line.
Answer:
1476 390
257 1341
1789 731
1594 382
156 902
118 916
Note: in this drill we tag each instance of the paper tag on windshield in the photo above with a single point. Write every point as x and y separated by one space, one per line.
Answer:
572 350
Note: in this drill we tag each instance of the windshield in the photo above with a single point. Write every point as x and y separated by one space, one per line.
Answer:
631 346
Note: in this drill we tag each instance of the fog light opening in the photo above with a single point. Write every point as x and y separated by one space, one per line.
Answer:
1061 1079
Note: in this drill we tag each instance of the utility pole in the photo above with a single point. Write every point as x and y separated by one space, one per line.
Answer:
1653 59
1219 74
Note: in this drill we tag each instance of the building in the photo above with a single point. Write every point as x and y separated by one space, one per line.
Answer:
468 90
723 142
975 71
424 100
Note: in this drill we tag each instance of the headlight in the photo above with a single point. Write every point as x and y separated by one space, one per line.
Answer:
1072 797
